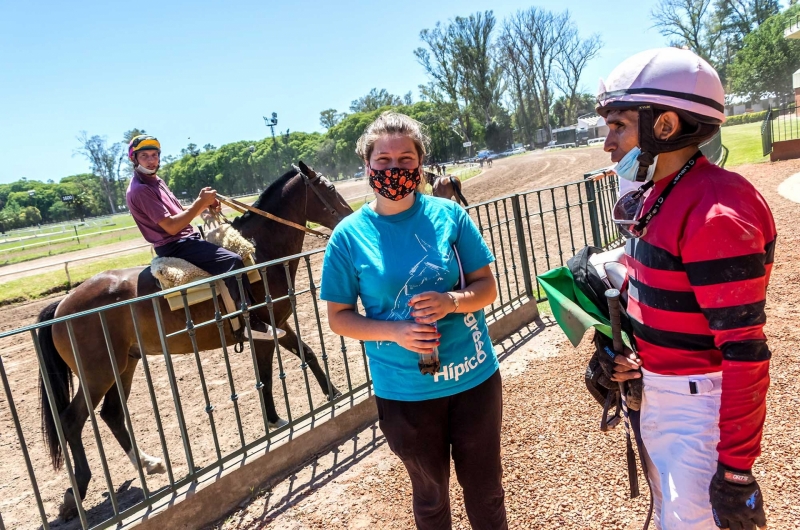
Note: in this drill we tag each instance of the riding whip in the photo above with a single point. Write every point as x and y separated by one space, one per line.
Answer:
612 295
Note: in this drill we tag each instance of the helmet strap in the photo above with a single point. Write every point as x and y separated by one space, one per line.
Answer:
647 139
136 164
652 146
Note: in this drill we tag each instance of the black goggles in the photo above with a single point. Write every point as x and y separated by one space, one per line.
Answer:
628 210
627 213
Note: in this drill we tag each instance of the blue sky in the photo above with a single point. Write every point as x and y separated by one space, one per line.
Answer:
209 70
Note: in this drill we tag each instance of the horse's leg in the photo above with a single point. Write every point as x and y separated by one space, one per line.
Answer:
289 341
113 415
73 418
264 354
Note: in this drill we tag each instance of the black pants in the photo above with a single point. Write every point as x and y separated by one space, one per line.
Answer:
423 434
212 259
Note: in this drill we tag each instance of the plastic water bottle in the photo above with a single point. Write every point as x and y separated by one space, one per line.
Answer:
428 363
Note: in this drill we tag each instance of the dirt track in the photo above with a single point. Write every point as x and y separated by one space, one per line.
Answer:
560 471
16 499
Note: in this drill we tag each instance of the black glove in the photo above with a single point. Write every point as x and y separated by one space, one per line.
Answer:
605 356
736 500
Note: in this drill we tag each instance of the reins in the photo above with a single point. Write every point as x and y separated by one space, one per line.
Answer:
242 207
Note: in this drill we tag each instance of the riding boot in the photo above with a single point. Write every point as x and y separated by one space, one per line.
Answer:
263 331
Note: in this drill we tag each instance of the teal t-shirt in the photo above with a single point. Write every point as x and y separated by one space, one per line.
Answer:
387 259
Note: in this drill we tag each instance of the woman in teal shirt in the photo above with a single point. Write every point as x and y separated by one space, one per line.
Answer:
400 255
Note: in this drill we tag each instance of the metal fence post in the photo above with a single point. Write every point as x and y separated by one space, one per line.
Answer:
591 202
521 244
766 133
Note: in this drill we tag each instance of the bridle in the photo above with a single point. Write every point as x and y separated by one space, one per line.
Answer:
309 183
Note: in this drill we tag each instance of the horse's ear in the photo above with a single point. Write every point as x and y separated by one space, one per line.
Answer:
305 169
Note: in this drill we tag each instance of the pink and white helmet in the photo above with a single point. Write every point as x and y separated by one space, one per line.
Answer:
667 78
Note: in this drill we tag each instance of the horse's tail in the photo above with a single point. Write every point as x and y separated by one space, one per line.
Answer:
60 377
457 189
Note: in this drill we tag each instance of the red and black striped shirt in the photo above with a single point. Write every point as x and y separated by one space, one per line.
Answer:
697 288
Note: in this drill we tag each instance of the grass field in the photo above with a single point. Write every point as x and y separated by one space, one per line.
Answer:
40 285
744 144
66 230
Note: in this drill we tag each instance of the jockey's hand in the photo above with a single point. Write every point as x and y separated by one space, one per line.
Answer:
616 367
736 500
216 207
431 306
207 196
419 338
627 366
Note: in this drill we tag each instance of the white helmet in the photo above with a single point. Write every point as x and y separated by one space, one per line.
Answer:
665 79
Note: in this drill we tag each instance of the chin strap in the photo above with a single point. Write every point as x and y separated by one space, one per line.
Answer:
652 146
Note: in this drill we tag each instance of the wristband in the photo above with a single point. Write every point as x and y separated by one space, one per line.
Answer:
742 478
455 301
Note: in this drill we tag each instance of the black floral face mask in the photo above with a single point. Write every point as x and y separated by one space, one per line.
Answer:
394 183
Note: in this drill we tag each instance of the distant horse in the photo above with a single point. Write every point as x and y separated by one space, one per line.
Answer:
449 187
296 196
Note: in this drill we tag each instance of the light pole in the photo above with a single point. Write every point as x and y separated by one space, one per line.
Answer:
271 123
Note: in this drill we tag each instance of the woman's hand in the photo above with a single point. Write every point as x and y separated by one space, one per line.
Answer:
420 338
431 306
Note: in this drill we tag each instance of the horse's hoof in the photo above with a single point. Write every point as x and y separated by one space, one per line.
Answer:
156 467
69 508
278 424
336 395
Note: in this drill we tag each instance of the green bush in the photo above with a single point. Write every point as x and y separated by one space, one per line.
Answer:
749 117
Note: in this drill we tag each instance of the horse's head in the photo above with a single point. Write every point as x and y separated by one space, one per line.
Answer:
324 205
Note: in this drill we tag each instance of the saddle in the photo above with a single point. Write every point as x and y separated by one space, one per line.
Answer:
173 272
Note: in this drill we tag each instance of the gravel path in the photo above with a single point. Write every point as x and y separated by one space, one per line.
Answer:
560 470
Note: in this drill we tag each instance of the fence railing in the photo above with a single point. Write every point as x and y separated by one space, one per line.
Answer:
766 133
201 410
780 124
532 232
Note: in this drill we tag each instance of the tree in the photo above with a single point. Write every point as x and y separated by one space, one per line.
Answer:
575 53
767 60
330 117
208 147
446 87
532 42
466 78
563 115
190 149
688 23
127 136
482 74
374 100
105 161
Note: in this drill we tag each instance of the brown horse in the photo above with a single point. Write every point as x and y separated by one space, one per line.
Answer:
296 196
448 187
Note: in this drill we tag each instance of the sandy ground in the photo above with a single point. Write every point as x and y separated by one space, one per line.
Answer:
345 363
560 471
790 188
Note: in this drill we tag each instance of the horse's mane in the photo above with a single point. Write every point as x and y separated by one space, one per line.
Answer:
269 197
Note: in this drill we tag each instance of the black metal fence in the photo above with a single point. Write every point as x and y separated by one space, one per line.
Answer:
200 411
766 133
780 124
532 232
197 411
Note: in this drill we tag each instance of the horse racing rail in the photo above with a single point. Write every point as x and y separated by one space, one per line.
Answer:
206 410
